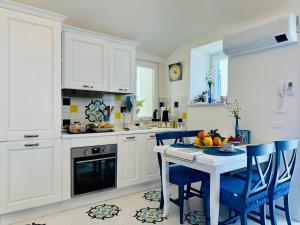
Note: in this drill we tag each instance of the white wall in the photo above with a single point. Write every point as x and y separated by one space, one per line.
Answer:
253 80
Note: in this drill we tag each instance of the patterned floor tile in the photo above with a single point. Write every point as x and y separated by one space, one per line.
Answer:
103 211
152 196
150 215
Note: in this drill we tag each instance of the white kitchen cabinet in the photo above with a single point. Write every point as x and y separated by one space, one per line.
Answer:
122 71
150 166
129 160
30 76
30 174
85 62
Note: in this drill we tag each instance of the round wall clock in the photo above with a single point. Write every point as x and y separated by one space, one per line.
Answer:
175 72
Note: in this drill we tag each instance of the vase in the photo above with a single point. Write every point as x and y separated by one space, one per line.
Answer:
237 127
209 94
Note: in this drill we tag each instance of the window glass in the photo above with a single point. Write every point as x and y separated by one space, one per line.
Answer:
145 89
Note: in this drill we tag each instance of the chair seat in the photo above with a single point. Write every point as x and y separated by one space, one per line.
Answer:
182 175
231 190
243 175
280 190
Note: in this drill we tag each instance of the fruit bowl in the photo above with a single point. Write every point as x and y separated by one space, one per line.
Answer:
212 139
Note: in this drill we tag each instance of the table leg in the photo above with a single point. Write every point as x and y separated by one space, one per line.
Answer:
166 185
214 198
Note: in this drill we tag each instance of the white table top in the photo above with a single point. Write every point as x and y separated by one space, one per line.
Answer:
206 162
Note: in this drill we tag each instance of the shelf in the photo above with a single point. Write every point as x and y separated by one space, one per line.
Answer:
203 104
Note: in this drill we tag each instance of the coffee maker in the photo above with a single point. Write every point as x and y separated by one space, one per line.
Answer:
164 114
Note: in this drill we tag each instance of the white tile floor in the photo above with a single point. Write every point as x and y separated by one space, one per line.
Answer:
128 205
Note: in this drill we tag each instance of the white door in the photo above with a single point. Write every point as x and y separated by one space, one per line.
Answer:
30 74
122 71
149 159
129 160
31 174
85 63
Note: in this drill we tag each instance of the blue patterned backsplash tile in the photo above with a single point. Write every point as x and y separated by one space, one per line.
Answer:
85 110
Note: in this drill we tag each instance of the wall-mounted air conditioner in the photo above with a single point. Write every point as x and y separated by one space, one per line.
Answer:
276 32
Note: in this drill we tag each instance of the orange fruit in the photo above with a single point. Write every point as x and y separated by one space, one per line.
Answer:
202 134
217 141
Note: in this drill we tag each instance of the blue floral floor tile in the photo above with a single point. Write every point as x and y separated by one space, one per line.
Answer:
195 218
150 215
103 211
152 196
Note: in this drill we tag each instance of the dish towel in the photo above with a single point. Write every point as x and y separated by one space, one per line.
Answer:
187 154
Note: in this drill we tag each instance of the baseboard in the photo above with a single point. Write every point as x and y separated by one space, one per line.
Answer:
32 213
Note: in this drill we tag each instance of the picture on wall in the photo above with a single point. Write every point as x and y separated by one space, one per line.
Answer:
175 71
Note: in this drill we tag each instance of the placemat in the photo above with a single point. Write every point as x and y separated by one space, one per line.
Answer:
180 145
216 152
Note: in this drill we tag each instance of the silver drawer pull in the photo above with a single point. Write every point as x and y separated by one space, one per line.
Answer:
32 145
152 136
121 89
31 136
87 86
130 138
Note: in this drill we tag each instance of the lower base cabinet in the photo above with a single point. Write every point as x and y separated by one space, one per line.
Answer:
31 174
129 160
137 161
150 165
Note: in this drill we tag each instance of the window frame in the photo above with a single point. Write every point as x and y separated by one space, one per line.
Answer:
155 67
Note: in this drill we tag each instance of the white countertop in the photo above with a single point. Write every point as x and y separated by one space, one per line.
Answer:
119 132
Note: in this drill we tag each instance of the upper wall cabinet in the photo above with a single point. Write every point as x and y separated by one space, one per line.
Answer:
85 62
122 68
98 62
30 78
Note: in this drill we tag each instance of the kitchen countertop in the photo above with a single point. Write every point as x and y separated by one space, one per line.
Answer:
117 132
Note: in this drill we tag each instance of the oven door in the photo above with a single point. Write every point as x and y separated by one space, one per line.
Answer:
93 173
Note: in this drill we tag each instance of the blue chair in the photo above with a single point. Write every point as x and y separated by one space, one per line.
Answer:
281 183
246 195
245 136
181 175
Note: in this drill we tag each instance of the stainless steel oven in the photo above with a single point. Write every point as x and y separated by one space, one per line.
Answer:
93 169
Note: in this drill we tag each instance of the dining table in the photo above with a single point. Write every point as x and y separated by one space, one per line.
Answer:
214 165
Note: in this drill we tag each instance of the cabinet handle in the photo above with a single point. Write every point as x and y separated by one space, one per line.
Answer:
32 145
152 136
121 89
31 136
87 86
130 138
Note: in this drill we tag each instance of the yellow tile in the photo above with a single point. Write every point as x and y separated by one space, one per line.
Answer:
118 97
73 108
117 115
184 116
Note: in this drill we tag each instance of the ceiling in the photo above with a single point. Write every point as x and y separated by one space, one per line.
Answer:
159 25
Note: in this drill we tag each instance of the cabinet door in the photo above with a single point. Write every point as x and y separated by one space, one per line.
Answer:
122 69
129 160
33 174
149 159
85 63
31 71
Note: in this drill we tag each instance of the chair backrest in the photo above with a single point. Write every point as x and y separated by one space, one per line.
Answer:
264 168
174 135
245 136
284 167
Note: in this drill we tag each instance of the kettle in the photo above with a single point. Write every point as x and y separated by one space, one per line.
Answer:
156 116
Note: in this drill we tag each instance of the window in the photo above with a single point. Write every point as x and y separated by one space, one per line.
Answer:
146 89
219 65
204 59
